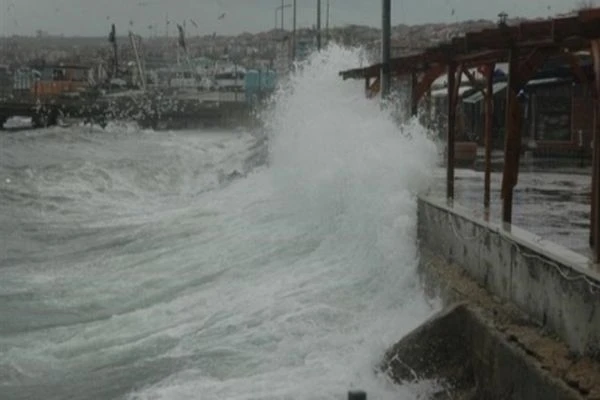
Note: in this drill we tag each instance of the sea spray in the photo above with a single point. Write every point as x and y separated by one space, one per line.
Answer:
338 215
153 281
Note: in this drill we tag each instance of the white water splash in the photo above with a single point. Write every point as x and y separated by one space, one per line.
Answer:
289 283
342 217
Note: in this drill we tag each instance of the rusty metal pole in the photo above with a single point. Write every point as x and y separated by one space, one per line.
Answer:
512 145
489 113
451 131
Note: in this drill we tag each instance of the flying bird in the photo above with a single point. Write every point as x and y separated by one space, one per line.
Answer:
222 16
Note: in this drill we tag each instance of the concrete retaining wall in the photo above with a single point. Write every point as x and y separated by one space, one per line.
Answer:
556 287
462 350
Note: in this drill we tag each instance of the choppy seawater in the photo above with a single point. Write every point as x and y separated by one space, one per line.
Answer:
213 265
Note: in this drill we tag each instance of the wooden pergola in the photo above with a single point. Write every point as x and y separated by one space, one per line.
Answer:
525 47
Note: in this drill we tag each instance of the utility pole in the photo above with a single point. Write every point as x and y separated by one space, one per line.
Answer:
282 7
386 30
294 31
327 24
167 25
112 38
318 24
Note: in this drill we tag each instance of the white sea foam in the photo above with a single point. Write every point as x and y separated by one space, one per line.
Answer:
289 283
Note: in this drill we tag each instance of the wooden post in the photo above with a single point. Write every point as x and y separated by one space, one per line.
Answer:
414 105
512 142
489 114
428 109
594 189
422 87
595 206
451 130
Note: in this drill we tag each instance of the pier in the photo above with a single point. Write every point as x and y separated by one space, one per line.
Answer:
148 109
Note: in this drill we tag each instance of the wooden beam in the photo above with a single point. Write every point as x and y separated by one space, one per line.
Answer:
589 15
479 58
527 68
595 207
492 45
457 83
452 87
474 83
414 99
512 146
428 109
576 69
594 190
420 87
488 95
519 74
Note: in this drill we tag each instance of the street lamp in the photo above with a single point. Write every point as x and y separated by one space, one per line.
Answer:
281 7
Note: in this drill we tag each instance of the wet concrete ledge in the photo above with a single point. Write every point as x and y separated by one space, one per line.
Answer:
481 347
557 289
522 316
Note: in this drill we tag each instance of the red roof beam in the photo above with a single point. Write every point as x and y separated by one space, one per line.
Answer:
592 14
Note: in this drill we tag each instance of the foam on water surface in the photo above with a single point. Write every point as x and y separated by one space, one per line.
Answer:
287 281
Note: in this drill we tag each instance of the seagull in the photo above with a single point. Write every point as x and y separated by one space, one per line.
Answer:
222 16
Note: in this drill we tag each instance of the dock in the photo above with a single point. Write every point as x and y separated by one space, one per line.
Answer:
152 109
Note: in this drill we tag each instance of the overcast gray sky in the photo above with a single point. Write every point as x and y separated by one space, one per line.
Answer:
92 17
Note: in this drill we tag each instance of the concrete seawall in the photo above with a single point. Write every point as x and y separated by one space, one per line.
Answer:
555 287
522 316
